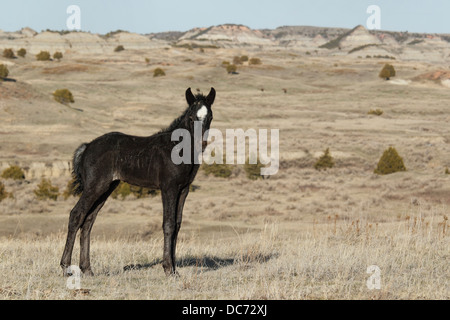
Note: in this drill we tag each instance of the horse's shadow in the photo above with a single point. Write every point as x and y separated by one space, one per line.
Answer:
207 263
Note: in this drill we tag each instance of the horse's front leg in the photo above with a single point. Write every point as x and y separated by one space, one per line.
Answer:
170 199
180 206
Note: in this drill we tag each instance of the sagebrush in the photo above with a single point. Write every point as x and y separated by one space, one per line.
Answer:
46 191
13 172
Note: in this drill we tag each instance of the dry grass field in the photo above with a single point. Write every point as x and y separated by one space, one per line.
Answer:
302 234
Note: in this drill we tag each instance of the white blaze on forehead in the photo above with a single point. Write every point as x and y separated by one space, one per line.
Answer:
201 113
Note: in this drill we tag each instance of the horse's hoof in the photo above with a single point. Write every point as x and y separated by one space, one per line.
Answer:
88 272
66 272
171 273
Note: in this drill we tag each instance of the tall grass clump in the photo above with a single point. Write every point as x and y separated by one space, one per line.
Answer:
253 170
220 170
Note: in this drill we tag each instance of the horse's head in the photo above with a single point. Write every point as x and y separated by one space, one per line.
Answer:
200 106
200 111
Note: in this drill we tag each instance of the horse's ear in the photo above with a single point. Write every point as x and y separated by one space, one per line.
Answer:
189 96
211 96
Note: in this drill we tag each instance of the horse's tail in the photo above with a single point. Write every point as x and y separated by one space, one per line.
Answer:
77 185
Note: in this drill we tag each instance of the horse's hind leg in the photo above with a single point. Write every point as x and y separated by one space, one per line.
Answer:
85 263
76 219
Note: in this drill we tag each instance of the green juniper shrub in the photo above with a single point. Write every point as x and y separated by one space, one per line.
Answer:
158 72
45 190
387 72
43 56
22 52
231 68
254 61
376 112
57 55
63 96
237 60
325 162
13 172
119 48
390 162
244 58
3 71
8 53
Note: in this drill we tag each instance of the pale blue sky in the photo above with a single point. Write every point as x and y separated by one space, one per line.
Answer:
147 16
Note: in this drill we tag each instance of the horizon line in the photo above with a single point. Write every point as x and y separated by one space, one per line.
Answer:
218 25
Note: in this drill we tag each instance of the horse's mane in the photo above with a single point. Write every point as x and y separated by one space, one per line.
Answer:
176 123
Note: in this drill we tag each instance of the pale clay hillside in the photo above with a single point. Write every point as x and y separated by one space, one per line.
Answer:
302 233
